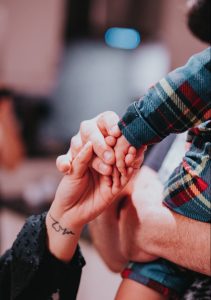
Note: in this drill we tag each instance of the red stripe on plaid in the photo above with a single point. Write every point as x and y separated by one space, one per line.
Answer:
200 184
126 272
166 120
161 289
158 287
181 198
191 96
196 186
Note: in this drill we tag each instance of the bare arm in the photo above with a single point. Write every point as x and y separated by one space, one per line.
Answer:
162 232
106 231
159 231
105 235
145 229
183 241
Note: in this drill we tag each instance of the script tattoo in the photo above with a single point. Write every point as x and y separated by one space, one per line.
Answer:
58 228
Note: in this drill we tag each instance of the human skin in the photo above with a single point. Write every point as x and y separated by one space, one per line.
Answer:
103 132
175 237
80 197
146 229
155 230
106 230
130 289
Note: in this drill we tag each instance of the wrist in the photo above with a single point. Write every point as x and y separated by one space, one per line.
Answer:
61 239
65 216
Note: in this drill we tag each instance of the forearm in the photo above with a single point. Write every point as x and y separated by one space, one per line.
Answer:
181 240
61 240
29 271
105 234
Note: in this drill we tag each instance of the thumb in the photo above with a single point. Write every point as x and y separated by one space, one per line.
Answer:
64 162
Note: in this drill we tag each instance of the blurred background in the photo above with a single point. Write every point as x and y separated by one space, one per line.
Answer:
61 63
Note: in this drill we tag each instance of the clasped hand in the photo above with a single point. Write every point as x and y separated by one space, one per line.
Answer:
98 165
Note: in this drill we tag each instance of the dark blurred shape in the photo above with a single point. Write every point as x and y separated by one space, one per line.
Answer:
91 18
5 93
199 19
77 19
32 111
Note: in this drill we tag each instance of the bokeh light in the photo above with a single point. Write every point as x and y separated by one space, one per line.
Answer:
122 38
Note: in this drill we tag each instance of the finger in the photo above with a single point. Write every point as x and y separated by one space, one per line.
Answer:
110 141
124 179
81 163
139 157
64 162
121 151
102 168
131 156
120 163
105 183
107 122
116 177
136 164
116 181
89 131
76 145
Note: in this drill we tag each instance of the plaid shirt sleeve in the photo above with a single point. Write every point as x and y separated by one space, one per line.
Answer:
176 103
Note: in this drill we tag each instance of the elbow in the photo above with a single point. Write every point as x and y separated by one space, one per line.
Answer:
115 266
136 253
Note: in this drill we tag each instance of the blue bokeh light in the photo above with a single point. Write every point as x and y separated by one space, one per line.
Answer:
122 38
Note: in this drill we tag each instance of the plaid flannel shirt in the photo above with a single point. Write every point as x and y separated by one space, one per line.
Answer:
180 101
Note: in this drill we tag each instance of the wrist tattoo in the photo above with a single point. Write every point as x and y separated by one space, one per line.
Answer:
58 228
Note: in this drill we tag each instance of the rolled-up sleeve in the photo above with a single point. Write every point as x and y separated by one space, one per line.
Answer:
176 103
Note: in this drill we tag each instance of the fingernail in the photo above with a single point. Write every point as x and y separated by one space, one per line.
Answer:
107 156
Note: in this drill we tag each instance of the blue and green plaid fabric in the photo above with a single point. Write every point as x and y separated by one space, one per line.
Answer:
180 101
177 103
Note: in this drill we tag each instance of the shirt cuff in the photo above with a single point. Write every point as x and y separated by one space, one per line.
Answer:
136 129
29 254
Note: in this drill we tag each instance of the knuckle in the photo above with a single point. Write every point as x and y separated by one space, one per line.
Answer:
96 165
120 164
107 116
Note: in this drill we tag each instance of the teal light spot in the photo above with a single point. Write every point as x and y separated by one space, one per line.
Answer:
122 38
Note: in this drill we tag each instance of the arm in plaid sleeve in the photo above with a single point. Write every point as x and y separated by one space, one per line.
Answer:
176 103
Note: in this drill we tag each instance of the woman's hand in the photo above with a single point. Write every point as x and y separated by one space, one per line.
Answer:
83 193
81 196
